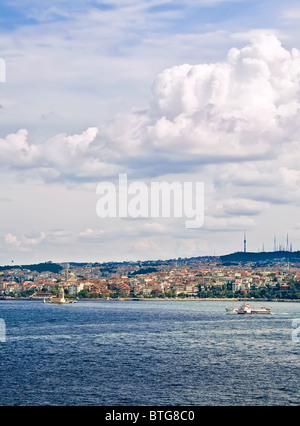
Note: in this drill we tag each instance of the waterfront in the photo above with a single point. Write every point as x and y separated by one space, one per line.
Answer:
154 353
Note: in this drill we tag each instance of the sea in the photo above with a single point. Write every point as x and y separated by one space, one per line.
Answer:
148 353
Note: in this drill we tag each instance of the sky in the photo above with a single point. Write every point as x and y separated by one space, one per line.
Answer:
162 91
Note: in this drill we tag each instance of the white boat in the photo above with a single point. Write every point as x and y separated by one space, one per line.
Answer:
247 309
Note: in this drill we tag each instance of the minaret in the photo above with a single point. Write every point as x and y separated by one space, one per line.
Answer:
245 242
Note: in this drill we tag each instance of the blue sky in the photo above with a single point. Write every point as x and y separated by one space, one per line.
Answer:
98 88
189 14
179 16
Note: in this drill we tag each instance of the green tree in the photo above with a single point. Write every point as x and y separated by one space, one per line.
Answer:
83 294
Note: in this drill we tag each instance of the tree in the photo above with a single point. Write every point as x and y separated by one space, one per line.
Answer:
171 293
83 294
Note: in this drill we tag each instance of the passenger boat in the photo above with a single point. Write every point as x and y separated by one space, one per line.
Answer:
247 309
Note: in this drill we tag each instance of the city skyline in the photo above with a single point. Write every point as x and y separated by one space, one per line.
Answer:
188 91
230 276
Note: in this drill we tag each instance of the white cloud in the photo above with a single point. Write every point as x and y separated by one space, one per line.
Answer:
60 158
92 234
230 108
24 243
242 111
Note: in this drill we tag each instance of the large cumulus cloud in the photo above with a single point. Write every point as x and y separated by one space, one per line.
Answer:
243 108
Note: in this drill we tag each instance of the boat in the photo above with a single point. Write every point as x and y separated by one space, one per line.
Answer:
247 309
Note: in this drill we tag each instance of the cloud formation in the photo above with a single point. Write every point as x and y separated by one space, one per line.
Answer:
245 110
241 108
234 124
25 243
61 158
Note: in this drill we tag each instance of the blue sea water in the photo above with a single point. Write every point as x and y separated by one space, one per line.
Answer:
154 353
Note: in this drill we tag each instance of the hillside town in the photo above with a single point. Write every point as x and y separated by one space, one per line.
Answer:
180 278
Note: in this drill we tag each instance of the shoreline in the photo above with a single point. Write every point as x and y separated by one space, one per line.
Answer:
158 299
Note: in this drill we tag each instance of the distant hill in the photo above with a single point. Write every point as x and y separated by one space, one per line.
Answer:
154 266
41 267
261 257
